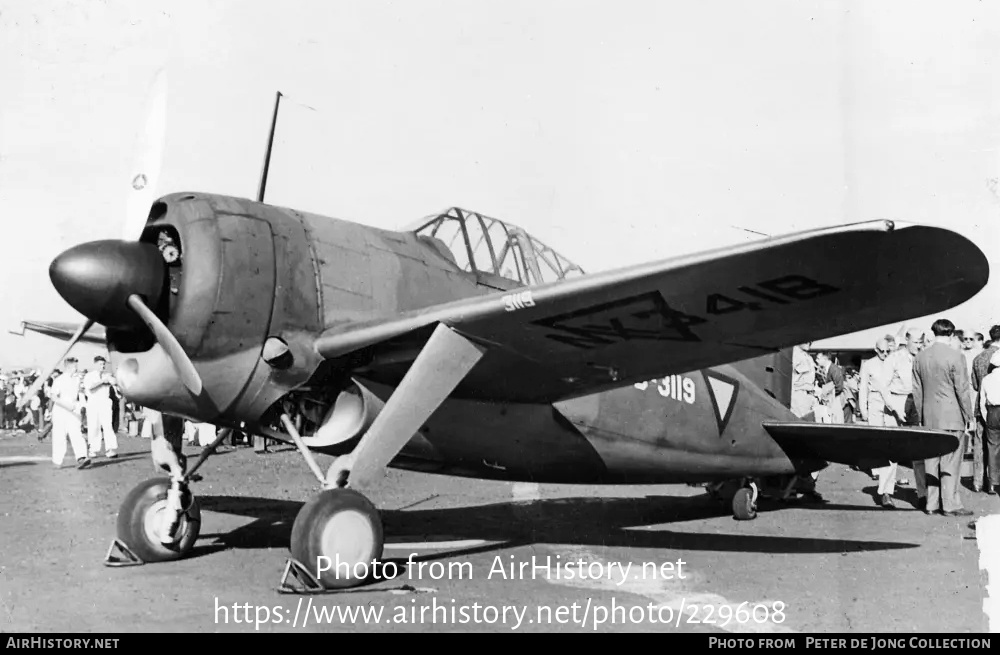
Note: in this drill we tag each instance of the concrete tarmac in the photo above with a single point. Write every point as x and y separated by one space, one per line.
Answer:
644 558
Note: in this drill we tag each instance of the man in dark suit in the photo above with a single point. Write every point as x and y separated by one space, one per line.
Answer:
942 400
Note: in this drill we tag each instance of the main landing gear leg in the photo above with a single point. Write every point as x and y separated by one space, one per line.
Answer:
337 536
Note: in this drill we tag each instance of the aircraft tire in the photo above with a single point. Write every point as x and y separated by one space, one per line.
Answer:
744 508
343 526
139 519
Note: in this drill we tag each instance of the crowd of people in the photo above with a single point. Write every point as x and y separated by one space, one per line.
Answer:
86 409
946 379
69 405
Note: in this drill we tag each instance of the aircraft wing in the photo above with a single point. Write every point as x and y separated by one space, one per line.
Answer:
62 331
613 328
864 446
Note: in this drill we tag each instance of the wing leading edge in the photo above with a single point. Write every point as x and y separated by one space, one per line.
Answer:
613 328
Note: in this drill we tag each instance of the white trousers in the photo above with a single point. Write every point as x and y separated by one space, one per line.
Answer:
152 424
879 414
99 421
821 413
65 425
206 434
201 433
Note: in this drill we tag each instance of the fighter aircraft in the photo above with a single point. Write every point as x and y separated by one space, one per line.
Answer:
467 347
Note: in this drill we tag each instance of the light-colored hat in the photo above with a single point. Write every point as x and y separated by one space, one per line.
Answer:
995 359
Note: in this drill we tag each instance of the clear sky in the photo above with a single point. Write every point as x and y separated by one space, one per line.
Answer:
615 131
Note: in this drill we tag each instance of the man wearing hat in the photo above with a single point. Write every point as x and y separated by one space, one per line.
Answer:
66 417
97 385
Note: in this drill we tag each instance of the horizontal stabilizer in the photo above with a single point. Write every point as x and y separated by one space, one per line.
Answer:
864 446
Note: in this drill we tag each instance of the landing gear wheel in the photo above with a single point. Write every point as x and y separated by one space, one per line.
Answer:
344 527
142 515
744 507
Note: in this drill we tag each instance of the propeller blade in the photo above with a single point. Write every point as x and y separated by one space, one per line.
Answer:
144 177
185 368
29 394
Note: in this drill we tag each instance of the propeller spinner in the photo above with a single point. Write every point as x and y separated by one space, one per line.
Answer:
115 283
97 278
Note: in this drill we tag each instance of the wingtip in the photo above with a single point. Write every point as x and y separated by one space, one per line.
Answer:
969 264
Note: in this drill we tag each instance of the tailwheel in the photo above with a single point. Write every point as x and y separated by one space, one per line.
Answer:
745 504
338 537
144 518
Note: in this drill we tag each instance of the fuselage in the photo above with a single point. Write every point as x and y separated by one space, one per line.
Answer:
250 273
697 427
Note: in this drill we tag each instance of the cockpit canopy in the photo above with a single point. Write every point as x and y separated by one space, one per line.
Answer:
489 247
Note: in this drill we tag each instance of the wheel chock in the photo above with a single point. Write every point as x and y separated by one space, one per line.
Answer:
124 557
296 572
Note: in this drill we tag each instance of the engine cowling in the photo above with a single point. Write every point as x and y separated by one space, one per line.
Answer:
353 412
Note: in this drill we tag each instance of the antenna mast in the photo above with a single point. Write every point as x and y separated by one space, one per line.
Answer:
267 155
259 442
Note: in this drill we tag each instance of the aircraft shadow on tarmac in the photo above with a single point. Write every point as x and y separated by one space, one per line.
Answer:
129 457
570 521
906 499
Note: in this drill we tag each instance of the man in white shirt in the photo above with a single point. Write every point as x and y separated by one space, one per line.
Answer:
97 385
20 388
876 409
66 416
34 408
989 406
